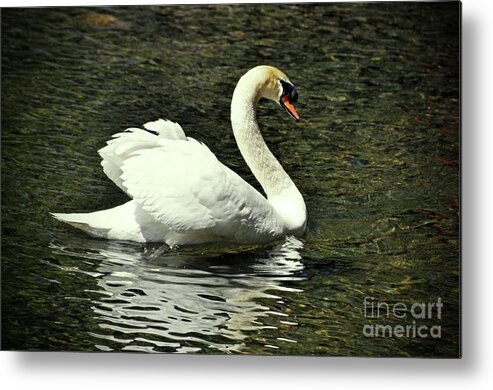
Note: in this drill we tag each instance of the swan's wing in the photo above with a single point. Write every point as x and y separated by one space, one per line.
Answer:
124 144
184 186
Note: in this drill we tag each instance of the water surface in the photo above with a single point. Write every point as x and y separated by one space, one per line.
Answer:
376 157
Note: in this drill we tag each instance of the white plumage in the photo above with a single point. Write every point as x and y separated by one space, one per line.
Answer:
182 194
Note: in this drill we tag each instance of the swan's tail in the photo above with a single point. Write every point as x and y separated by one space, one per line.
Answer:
125 222
104 223
91 223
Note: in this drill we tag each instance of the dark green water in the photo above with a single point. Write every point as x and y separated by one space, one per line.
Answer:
376 157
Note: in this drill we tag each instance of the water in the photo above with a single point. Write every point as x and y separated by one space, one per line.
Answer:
376 157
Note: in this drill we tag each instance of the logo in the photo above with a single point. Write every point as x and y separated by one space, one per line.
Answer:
383 316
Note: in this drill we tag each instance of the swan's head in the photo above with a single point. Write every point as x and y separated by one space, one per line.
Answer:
274 85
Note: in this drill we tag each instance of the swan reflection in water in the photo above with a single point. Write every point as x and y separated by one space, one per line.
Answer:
181 302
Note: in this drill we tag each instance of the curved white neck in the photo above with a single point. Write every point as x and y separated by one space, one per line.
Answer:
267 170
278 186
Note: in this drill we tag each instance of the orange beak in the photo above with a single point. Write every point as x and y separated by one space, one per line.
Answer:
289 107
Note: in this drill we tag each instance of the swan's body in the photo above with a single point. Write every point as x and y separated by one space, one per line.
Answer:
181 193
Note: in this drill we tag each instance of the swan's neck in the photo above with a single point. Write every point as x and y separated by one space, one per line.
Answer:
278 186
267 170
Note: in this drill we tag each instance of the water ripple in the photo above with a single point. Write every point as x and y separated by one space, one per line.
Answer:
143 303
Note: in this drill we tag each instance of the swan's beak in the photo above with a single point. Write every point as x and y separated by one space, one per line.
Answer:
288 106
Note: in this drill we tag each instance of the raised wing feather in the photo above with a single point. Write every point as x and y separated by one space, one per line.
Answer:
124 144
166 129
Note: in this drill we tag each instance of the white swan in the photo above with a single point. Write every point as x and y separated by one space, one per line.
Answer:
181 194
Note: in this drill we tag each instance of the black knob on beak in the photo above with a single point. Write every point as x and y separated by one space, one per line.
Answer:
294 96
